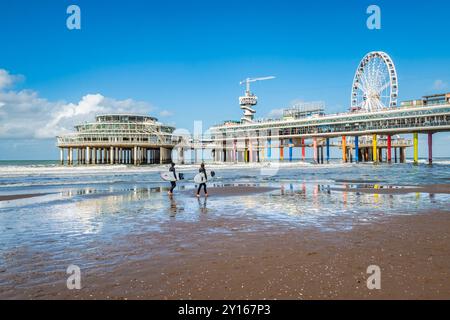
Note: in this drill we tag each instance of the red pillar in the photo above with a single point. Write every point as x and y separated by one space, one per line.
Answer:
389 146
430 147
303 149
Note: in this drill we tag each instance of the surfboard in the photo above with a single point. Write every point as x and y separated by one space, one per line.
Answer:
200 177
169 176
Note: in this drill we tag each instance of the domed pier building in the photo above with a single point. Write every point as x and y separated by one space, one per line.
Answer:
118 139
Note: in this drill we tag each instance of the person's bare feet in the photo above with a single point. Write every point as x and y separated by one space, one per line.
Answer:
206 195
198 196
169 193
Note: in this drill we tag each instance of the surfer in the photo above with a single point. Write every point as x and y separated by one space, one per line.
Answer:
173 184
202 170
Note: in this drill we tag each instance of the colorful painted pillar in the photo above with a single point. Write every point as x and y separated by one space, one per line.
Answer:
281 150
430 147
262 152
290 149
416 147
315 148
344 149
389 147
246 152
356 149
328 150
303 149
269 148
374 148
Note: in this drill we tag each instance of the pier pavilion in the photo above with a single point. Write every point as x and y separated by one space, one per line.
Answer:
118 139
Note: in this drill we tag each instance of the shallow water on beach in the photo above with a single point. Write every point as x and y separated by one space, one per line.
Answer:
88 214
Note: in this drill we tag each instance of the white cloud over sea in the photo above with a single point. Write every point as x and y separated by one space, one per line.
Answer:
26 115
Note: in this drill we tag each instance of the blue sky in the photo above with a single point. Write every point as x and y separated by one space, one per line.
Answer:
183 60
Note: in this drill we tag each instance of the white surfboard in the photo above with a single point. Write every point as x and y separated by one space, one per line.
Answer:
169 176
200 177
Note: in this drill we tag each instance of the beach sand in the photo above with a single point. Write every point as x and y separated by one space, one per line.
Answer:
184 262
10 197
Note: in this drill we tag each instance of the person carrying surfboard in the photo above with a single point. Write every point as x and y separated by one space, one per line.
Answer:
173 184
202 170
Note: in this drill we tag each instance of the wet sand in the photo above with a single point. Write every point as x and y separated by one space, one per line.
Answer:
431 189
230 191
185 262
10 197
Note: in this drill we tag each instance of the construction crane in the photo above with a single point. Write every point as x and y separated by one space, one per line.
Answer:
249 100
250 80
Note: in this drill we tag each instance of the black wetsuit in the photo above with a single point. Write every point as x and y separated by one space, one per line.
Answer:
202 170
173 184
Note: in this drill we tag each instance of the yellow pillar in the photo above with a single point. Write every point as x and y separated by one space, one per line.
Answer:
262 153
374 148
416 147
344 149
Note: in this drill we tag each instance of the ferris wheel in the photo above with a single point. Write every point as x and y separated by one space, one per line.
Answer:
375 85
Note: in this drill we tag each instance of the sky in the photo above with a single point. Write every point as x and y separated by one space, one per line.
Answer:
182 61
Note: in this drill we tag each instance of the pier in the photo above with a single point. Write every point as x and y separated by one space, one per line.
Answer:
362 136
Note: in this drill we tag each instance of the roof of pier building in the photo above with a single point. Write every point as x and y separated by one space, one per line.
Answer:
126 129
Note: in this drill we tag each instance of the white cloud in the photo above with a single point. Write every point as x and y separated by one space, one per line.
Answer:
439 85
275 113
165 113
25 115
7 79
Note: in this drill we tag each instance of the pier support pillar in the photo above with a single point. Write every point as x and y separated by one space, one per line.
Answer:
321 154
374 148
250 151
315 149
416 147
430 148
389 148
88 155
161 155
328 150
356 149
290 150
262 152
269 149
111 155
344 149
61 155
303 149
70 156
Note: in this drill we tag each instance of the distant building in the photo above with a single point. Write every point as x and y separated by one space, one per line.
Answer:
432 100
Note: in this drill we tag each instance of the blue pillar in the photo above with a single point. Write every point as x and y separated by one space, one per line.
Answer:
328 149
290 149
269 148
356 149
